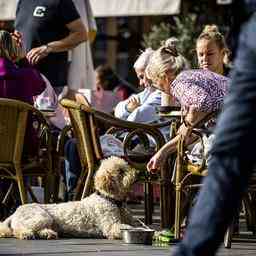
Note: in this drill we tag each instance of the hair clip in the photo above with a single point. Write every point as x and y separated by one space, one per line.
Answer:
172 50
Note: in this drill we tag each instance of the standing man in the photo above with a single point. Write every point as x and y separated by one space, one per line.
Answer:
49 28
233 153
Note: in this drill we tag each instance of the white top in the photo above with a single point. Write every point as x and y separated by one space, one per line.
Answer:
146 112
81 72
48 100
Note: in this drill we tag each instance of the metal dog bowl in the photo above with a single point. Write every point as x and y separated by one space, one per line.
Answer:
137 236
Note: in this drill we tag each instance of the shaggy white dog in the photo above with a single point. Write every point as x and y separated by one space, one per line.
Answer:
98 215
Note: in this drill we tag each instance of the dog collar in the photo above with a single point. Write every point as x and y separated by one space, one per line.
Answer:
112 200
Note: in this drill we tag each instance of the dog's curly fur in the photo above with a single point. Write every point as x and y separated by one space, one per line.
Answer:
94 216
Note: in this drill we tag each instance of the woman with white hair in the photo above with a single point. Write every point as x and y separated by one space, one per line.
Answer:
142 106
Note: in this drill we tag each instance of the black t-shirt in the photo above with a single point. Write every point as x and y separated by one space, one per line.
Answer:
44 21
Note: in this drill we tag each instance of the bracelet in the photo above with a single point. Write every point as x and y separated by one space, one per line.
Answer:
48 48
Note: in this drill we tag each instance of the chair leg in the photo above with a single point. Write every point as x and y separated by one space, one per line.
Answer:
32 195
10 189
48 187
88 182
148 197
80 182
177 212
249 213
22 191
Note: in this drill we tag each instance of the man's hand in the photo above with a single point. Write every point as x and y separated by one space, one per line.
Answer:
132 104
38 53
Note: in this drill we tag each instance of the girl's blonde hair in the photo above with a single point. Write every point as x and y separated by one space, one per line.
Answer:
9 48
163 59
212 33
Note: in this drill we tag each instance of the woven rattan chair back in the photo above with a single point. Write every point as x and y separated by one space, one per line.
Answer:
12 129
13 126
88 151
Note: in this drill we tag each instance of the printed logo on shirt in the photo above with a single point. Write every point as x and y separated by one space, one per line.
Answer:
39 11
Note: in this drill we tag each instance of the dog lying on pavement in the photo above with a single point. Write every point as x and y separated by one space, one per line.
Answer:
99 215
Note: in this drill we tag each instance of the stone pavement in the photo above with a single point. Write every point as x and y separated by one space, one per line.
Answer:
100 247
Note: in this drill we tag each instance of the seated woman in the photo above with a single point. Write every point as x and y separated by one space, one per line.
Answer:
199 93
18 80
141 107
212 51
212 54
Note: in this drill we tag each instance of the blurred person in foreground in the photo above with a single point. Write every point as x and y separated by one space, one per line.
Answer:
233 157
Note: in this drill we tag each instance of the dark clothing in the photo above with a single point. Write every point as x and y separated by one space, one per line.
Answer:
72 164
44 21
233 155
20 83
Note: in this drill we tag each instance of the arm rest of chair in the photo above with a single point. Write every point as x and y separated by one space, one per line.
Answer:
131 130
152 129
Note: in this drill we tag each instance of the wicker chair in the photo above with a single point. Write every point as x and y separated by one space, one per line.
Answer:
13 125
188 177
187 180
85 121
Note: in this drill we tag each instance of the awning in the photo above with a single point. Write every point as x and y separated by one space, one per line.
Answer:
7 9
110 8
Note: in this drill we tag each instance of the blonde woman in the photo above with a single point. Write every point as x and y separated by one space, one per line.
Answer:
212 51
199 92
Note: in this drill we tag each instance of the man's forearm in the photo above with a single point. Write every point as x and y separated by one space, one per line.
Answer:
68 43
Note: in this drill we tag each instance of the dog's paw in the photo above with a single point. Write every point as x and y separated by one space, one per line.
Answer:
25 235
47 234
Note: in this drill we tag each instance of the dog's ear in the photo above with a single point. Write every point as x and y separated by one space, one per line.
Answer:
105 183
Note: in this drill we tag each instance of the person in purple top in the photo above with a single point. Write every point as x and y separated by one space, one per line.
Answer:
18 80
